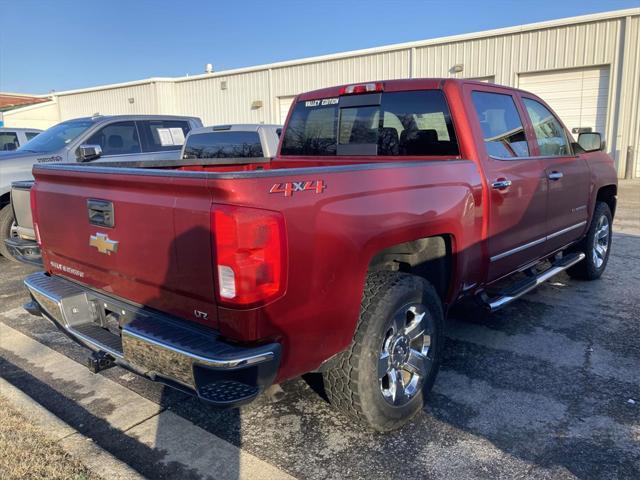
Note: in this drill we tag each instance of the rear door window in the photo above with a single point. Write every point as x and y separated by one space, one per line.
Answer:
162 135
8 141
119 138
416 123
31 135
223 145
501 125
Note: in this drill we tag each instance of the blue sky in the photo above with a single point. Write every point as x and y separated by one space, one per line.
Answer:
64 44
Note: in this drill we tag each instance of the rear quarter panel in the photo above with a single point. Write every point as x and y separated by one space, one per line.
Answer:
333 235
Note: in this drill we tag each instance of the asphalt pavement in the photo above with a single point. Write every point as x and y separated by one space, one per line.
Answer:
548 387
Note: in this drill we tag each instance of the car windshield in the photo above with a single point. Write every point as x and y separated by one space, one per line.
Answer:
56 137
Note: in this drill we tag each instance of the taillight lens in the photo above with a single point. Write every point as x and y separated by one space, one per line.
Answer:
250 254
34 218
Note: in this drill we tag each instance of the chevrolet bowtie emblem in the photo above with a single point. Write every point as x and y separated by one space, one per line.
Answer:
103 243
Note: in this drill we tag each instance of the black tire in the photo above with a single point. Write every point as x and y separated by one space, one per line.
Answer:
594 263
6 222
353 385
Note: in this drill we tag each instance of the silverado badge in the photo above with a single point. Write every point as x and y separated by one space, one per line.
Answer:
103 243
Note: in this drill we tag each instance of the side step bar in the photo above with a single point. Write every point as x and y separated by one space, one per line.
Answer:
528 284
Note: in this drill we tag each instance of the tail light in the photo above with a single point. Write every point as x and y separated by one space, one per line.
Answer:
250 254
362 88
34 218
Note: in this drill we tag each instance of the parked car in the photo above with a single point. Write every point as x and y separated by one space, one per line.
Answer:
109 138
13 138
387 203
233 141
238 141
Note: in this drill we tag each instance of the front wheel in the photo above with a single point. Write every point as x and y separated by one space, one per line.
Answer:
391 365
8 229
596 245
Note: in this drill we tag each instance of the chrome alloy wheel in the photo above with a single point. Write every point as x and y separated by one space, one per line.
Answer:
600 241
404 361
13 230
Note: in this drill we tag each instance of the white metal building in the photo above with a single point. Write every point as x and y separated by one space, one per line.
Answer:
587 68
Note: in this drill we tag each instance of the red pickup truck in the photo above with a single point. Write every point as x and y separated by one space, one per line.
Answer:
387 203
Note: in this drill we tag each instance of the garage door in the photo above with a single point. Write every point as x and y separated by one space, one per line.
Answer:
284 103
578 96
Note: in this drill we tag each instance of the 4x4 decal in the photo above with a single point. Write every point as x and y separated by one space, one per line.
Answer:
290 188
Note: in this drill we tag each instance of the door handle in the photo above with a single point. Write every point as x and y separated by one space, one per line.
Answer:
100 212
501 184
555 175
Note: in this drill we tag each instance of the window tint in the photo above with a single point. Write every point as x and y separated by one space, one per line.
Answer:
162 135
223 145
311 131
8 141
416 123
358 125
57 136
118 138
550 135
405 123
501 125
31 135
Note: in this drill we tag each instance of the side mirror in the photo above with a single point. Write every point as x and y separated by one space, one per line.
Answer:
86 153
590 141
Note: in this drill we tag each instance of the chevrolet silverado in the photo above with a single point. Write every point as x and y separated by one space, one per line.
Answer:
388 202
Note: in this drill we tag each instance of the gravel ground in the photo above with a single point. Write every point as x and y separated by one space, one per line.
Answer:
549 387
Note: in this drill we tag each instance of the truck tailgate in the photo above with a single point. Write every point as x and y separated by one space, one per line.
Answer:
158 251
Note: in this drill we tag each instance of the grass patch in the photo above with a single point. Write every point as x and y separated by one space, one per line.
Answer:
27 453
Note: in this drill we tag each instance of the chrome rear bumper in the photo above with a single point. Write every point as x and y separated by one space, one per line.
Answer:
160 347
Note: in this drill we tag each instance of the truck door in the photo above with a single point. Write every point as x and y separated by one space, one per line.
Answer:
517 186
567 176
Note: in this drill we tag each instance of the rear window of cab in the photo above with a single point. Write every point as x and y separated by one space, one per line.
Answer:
414 123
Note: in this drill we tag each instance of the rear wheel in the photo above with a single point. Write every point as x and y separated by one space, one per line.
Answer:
392 363
8 229
596 245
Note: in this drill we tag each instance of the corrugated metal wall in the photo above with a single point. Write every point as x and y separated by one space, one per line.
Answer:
113 101
547 49
629 118
41 115
225 99
253 95
291 80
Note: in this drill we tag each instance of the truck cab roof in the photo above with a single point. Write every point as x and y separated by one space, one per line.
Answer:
110 118
397 85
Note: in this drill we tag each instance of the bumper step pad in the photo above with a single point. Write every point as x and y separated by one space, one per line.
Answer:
228 391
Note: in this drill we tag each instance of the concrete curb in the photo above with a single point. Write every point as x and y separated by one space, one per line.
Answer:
94 457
